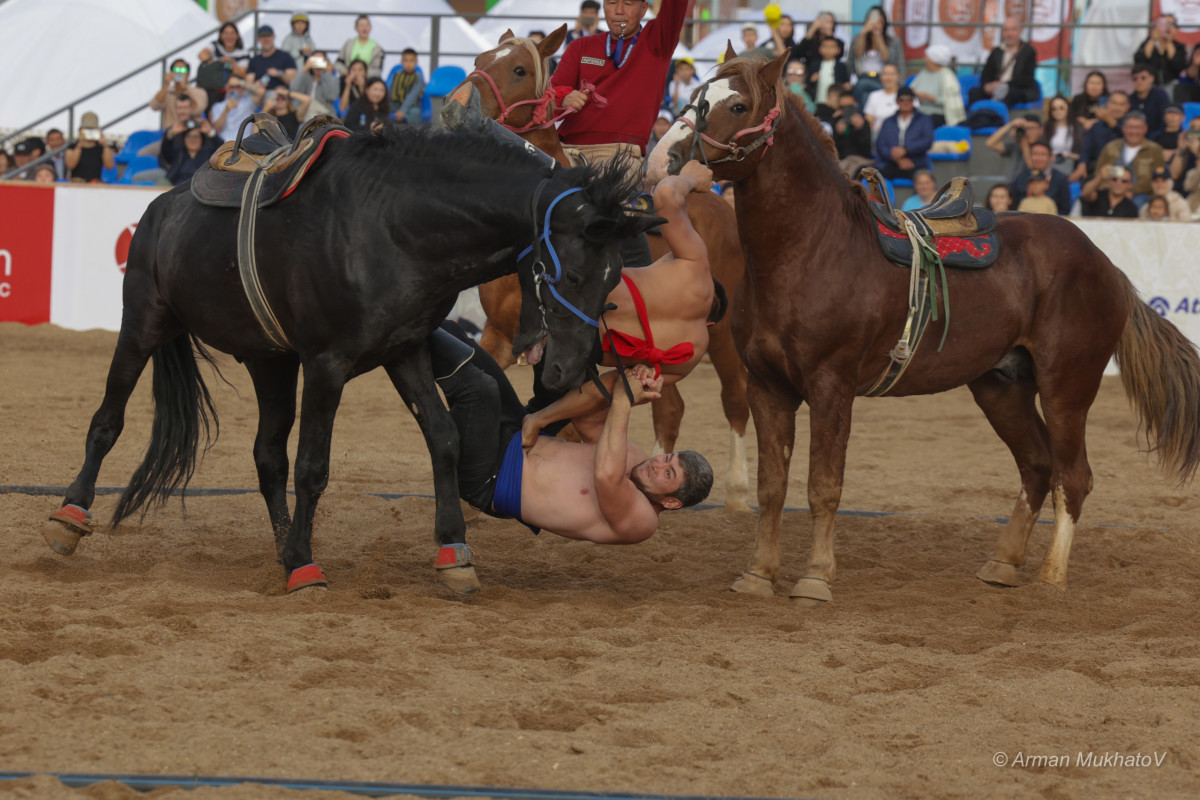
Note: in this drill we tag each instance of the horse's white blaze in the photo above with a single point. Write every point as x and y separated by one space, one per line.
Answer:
501 53
607 271
718 92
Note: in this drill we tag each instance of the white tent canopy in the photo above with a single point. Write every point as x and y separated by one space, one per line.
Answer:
58 50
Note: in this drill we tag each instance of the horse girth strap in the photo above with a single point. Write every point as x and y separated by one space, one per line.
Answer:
248 265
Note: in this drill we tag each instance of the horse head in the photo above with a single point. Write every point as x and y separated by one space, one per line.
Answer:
730 122
513 80
582 215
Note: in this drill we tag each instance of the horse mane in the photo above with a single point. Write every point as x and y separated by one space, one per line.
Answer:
609 187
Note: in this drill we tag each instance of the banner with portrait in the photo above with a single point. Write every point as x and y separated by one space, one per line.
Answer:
955 25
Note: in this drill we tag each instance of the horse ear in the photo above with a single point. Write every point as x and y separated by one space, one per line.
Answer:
637 224
504 37
770 72
549 46
730 53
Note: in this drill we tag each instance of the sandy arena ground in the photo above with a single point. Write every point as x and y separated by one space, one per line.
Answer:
172 648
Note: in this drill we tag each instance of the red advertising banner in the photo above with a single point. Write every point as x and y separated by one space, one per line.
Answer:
954 25
1187 16
26 245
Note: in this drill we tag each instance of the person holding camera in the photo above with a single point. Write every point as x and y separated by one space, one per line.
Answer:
90 154
175 83
1012 141
1161 53
185 153
241 101
1107 194
319 83
851 135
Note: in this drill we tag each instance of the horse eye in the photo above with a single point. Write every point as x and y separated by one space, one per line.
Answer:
520 72
572 279
738 108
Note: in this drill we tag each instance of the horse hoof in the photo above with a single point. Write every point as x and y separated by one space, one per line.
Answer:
753 584
306 577
61 538
1058 581
736 506
811 592
999 573
462 580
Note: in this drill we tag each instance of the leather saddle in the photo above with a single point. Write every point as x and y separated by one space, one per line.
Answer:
222 182
963 233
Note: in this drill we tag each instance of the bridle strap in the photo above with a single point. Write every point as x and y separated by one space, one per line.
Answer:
541 274
736 151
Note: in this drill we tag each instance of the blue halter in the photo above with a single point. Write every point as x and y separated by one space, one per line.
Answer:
540 274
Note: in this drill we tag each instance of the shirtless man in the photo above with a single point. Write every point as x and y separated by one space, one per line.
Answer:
605 490
676 292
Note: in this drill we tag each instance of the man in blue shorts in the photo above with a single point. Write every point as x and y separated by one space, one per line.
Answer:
604 489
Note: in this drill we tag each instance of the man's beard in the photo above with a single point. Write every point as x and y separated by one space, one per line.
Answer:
637 481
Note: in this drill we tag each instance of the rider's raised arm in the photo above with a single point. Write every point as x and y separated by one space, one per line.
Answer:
627 511
670 203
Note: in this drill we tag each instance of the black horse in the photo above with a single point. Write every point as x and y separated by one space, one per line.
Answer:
359 265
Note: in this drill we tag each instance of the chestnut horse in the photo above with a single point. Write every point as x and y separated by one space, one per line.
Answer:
514 87
823 307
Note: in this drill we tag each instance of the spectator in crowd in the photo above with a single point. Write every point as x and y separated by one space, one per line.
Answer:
1063 134
1099 135
371 109
362 48
904 139
750 41
1149 99
881 103
1012 140
1093 96
229 50
851 136
1186 156
794 76
241 101
588 21
923 188
6 161
289 108
808 48
298 43
938 89
1161 53
1163 188
827 70
872 49
175 83
1188 88
353 83
1035 200
661 126
1136 153
1168 140
318 82
999 198
406 90
1057 188
1106 194
211 76
1156 210
684 82
1008 75
44 173
828 109
271 67
90 154
56 141
183 154
28 149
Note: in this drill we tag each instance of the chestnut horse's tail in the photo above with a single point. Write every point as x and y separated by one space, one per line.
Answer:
1161 373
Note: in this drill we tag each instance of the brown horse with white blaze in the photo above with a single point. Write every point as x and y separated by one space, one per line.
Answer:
823 307
513 81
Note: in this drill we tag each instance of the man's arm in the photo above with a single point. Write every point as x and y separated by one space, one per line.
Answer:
996 140
668 24
1023 70
582 408
619 499
670 203
919 138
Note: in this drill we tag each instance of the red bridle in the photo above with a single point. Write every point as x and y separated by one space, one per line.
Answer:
736 151
540 119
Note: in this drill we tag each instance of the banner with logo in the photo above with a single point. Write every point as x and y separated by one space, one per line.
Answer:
1187 16
27 212
951 23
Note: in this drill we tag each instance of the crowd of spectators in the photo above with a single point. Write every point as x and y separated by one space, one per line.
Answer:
1101 152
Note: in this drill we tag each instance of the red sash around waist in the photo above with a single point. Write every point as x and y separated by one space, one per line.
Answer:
643 349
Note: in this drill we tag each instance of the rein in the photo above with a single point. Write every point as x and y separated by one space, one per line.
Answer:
539 120
736 151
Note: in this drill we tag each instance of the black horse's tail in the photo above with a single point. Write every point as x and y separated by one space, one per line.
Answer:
182 409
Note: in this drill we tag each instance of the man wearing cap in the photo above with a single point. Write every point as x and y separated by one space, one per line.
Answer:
1020 133
1035 200
938 89
1058 188
1168 140
904 139
1136 153
1008 75
90 154
271 67
1161 185
1149 99
25 151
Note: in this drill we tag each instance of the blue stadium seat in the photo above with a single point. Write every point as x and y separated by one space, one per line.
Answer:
903 183
444 80
967 83
952 133
136 141
135 165
108 175
1190 112
991 105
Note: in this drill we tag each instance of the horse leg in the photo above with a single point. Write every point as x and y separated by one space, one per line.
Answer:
829 430
275 387
501 302
1011 409
413 379
732 373
775 427
145 326
667 412
324 381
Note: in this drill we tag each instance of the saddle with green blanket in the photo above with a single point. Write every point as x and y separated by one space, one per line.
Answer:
949 232
256 171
